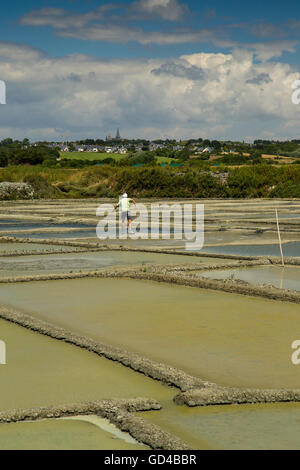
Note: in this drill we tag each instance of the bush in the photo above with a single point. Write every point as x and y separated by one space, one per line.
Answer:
286 190
41 186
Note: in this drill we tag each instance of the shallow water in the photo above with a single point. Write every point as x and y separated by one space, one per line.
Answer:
267 215
225 338
71 262
41 371
51 234
84 233
61 434
289 249
19 224
103 424
262 426
282 277
11 247
237 236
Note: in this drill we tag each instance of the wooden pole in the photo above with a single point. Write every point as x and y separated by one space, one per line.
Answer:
279 237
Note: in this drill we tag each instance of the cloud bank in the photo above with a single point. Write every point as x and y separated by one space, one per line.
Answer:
212 95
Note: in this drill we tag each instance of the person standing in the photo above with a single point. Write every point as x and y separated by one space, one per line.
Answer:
124 206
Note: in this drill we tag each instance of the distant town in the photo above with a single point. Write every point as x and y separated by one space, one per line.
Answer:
139 152
200 168
170 147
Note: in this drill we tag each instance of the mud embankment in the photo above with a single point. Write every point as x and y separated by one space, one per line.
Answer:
155 370
227 285
119 412
99 246
231 396
194 391
175 274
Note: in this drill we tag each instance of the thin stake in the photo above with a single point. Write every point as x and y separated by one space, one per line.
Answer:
279 237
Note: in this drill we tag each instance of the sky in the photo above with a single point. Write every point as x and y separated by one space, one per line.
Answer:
153 68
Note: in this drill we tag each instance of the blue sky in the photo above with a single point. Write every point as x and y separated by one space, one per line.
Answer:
151 67
233 19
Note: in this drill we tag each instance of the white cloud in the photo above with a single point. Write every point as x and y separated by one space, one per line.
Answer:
267 30
206 95
170 10
267 50
122 27
124 34
10 51
59 18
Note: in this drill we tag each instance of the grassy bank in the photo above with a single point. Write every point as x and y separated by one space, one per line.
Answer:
155 181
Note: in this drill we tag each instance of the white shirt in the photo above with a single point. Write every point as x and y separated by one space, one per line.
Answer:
124 204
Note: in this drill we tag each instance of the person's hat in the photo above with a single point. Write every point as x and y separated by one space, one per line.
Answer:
124 195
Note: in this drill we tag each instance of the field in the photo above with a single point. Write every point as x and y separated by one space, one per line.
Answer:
101 156
90 155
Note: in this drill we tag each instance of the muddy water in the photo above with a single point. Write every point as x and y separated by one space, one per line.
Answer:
226 338
270 216
103 424
13 225
61 435
289 249
68 234
272 426
8 248
283 278
41 371
52 234
247 237
237 236
33 265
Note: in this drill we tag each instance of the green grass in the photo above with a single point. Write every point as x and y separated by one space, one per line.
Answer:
101 156
90 155
19 172
166 160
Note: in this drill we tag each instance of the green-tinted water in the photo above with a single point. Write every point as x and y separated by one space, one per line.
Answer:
283 278
41 371
225 338
75 262
9 247
271 426
61 435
